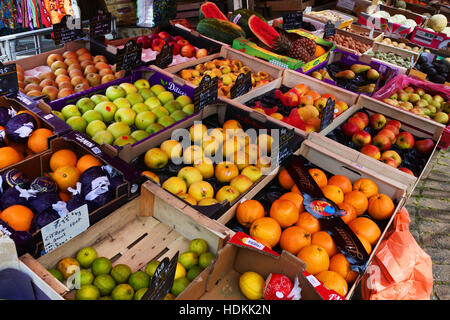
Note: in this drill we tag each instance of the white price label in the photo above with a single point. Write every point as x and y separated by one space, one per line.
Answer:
65 228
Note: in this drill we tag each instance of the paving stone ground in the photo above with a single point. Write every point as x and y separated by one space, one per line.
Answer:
429 210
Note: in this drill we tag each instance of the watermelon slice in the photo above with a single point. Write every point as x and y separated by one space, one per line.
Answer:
262 30
210 10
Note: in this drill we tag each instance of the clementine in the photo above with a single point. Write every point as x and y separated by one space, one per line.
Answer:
65 177
323 239
342 182
365 243
333 193
315 257
285 180
267 229
319 176
350 212
367 228
380 206
285 212
308 222
334 281
37 142
293 239
65 196
63 157
296 198
366 186
319 51
357 200
9 156
248 211
340 264
295 189
87 161
18 217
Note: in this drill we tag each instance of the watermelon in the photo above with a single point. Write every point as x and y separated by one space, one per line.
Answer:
241 16
220 30
262 30
210 10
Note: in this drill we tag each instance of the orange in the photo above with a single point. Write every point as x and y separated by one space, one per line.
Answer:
319 51
3 135
323 239
18 217
367 228
351 277
340 264
296 198
151 175
87 161
285 212
350 212
65 196
307 222
301 89
38 121
380 206
65 177
315 257
63 157
293 239
314 94
334 281
248 211
9 156
267 229
334 193
329 95
365 243
319 176
264 242
295 189
357 200
285 180
37 142
342 182
366 186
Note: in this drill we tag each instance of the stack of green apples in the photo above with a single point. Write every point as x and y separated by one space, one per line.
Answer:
126 113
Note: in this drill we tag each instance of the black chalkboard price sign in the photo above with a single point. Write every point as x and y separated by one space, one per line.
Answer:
242 85
129 57
100 25
292 20
8 79
68 29
206 92
329 30
165 57
327 114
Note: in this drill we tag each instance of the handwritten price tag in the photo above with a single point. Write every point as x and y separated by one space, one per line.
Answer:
65 228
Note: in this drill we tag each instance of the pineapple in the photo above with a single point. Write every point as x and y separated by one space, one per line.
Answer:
295 46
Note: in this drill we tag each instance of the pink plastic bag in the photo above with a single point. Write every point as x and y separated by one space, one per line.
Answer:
400 270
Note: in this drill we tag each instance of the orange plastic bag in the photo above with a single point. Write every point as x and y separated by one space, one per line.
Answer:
400 269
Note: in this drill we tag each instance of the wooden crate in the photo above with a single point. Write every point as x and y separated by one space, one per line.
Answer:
414 56
187 9
405 41
357 37
134 235
417 126
285 5
362 31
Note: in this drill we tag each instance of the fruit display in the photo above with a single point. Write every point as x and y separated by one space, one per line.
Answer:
400 45
422 103
241 17
349 42
396 18
227 71
381 138
276 286
95 277
437 70
391 57
126 113
337 18
66 74
438 23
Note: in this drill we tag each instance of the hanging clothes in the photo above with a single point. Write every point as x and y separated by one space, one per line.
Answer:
8 14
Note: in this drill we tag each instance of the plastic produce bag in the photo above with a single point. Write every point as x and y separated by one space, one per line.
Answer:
152 13
400 269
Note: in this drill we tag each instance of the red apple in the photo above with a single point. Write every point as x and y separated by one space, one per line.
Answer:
388 133
395 123
358 122
389 161
382 142
361 138
394 129
144 41
182 42
176 49
349 129
158 44
371 151
392 154
425 146
406 170
164 35
363 116
176 38
188 51
377 121
405 140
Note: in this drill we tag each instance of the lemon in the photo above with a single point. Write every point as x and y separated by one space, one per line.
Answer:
198 246
87 292
179 285
150 268
251 285
180 271
188 259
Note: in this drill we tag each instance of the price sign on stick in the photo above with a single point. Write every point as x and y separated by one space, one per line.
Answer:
100 25
165 57
242 85
206 92
8 79
292 20
68 29
329 30
129 57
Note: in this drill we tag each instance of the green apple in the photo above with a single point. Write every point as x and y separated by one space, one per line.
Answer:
59 115
441 117
142 84
69 111
94 127
154 127
114 92
140 107
144 119
126 115
157 89
85 104
189 108
77 123
166 121
183 100
165 97
134 97
119 129
153 102
92 115
102 137
128 87
123 140
107 109
146 93
140 134
160 112
178 115
97 98
122 103
172 106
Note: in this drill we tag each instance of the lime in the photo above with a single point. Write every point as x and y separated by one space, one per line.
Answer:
105 284
180 271
138 280
105 298
198 246
86 257
151 267
56 273
87 292
138 295
169 296
100 266
194 272
188 259
121 273
205 259
122 291
86 277
179 285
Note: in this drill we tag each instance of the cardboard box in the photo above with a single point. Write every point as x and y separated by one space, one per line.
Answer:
419 127
133 235
341 21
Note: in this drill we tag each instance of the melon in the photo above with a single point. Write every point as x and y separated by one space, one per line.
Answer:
262 30
210 10
241 16
438 22
220 30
